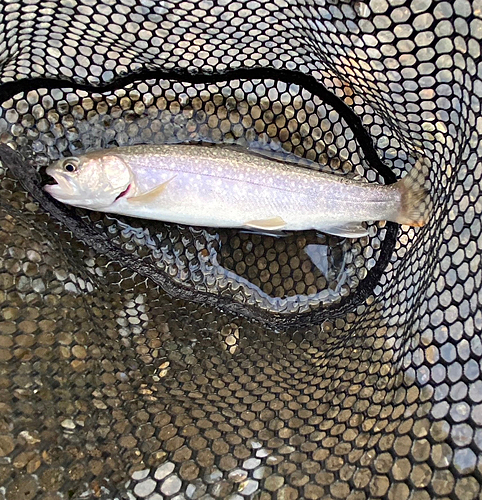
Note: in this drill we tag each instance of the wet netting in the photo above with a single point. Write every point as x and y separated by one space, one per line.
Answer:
149 360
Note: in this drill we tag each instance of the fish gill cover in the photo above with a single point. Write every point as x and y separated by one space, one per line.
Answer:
362 378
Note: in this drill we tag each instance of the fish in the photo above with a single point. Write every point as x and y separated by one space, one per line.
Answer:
210 186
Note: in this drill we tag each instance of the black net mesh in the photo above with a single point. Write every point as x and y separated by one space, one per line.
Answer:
150 360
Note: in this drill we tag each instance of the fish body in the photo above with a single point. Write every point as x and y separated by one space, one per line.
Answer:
225 187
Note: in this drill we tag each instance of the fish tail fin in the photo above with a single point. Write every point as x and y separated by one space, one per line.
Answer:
415 198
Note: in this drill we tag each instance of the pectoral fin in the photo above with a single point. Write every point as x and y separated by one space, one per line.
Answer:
350 230
273 224
151 195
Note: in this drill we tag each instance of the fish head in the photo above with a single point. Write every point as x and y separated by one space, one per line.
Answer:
94 181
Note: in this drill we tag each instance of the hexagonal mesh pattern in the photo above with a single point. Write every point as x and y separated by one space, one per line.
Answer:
279 279
298 367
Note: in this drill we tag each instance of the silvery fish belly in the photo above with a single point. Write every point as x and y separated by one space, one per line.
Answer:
226 187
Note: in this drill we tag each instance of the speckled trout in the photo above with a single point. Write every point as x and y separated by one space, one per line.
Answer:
226 187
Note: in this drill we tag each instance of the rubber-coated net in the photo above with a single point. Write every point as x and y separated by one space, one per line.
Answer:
148 360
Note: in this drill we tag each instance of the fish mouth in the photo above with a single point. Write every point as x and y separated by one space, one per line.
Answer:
58 193
54 189
60 186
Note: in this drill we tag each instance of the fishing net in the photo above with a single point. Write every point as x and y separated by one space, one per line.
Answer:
142 359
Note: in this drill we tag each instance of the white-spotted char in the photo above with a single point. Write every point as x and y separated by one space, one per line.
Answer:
225 187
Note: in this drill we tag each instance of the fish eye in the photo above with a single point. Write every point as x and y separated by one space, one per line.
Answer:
70 166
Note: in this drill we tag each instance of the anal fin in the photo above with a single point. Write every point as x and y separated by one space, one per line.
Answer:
151 195
272 224
349 230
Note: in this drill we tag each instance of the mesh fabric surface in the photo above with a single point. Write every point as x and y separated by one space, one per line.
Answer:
150 360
